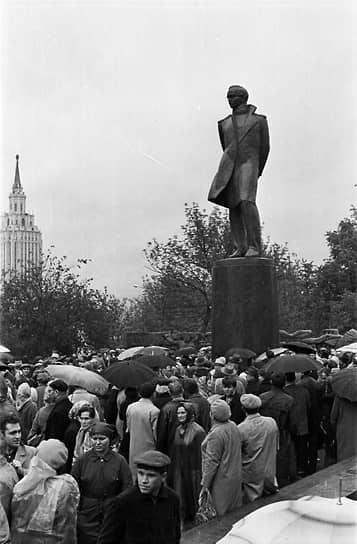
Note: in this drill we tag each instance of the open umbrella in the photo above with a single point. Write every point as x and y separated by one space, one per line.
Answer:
154 361
350 348
298 347
292 363
263 356
344 383
129 353
311 520
75 375
6 357
187 350
245 353
153 350
128 374
349 337
3 349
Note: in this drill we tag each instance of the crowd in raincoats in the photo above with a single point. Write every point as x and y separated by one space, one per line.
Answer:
232 431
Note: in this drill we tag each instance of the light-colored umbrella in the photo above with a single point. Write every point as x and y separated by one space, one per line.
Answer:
153 350
76 375
309 520
129 353
350 348
3 349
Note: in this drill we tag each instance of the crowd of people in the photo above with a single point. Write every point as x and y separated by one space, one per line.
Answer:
134 465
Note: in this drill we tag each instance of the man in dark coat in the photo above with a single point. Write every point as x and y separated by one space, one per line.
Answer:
200 404
232 398
58 420
315 414
244 137
148 512
279 405
301 410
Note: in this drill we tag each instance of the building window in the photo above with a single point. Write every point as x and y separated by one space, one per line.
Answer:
21 208
15 207
23 222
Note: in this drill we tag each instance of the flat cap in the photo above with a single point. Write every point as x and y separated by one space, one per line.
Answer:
153 459
250 401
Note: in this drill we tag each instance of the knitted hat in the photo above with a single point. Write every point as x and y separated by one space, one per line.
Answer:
251 402
53 452
104 429
220 410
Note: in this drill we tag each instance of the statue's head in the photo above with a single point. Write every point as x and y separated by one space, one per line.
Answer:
236 96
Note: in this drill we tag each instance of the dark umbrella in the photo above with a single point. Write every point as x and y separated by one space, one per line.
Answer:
299 347
187 350
154 361
292 363
242 352
3 367
128 374
344 383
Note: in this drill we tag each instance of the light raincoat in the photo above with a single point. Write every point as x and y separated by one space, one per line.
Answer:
222 466
260 442
44 507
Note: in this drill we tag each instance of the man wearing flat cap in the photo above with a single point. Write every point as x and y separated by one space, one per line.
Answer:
148 512
244 137
260 442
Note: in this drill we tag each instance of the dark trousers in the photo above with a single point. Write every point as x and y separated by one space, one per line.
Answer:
312 447
301 448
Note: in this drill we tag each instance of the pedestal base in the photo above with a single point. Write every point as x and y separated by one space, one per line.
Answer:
245 305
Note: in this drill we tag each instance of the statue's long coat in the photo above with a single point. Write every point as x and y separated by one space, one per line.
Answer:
242 162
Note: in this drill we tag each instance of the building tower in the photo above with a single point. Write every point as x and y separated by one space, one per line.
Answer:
20 239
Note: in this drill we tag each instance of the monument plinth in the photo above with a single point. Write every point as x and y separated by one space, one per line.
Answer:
245 305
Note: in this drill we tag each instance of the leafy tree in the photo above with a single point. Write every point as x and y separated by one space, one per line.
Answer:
50 306
182 266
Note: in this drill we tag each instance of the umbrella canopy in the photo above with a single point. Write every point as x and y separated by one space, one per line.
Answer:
299 347
292 363
153 350
128 374
6 357
349 337
311 520
3 367
130 352
75 375
3 349
187 350
344 383
243 352
263 356
154 361
350 348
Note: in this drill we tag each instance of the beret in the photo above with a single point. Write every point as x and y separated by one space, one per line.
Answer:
250 401
153 459
220 410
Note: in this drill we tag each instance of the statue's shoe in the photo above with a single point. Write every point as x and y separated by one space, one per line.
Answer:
237 253
252 252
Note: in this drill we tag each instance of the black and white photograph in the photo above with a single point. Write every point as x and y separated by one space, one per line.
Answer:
178 272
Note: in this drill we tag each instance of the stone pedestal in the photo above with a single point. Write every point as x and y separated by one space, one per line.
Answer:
245 305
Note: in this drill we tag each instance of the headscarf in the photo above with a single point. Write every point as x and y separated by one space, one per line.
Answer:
103 428
220 411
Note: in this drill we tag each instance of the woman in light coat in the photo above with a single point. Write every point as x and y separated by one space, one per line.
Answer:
222 460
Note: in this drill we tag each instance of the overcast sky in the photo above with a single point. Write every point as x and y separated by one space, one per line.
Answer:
113 108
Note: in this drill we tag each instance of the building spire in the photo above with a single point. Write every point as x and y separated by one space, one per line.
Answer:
17 183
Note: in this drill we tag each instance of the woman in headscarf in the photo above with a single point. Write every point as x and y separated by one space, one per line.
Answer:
101 474
186 460
44 504
222 460
87 417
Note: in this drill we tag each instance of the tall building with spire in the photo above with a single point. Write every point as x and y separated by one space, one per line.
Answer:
20 238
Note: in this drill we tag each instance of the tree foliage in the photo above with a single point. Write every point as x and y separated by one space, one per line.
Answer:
50 306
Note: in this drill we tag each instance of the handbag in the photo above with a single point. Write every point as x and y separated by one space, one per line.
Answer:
206 509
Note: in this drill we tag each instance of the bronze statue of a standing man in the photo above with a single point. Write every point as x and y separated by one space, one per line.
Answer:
244 137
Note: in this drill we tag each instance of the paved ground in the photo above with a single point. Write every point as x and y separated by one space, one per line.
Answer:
324 483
